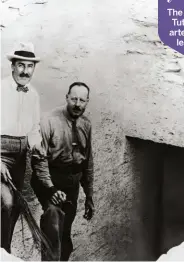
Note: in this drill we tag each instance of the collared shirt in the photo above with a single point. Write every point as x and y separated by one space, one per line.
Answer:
20 112
56 129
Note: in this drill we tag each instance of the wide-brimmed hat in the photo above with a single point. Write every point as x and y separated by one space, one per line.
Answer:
24 51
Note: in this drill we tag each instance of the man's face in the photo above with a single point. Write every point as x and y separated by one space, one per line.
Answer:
77 101
23 71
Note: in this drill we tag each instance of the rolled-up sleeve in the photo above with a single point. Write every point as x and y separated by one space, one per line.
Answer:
88 170
40 166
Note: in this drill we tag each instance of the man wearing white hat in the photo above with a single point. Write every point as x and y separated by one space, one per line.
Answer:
20 117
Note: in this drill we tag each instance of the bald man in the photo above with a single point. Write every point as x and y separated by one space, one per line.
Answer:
66 134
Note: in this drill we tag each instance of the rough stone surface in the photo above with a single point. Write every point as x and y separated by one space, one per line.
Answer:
114 47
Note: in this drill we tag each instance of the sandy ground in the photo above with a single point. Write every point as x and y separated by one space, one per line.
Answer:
114 47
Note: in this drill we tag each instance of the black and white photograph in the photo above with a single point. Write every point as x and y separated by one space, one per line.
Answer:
92 133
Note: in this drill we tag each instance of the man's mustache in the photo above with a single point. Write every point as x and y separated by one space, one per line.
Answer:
76 108
24 75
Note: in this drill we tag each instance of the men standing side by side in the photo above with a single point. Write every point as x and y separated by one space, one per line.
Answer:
66 134
20 129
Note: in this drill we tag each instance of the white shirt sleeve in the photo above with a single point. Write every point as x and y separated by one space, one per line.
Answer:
34 136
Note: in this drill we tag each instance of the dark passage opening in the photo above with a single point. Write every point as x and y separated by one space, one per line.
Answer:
157 216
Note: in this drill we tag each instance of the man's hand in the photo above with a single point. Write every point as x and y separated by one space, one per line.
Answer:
5 172
89 208
58 197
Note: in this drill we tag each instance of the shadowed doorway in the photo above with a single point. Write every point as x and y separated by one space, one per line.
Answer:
158 208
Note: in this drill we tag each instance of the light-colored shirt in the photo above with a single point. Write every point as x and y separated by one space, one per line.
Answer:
20 112
56 130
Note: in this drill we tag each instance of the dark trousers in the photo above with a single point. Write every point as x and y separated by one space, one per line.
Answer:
56 221
13 155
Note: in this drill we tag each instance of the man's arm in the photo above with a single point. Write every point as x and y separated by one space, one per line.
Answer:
41 178
34 136
88 172
87 180
40 165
